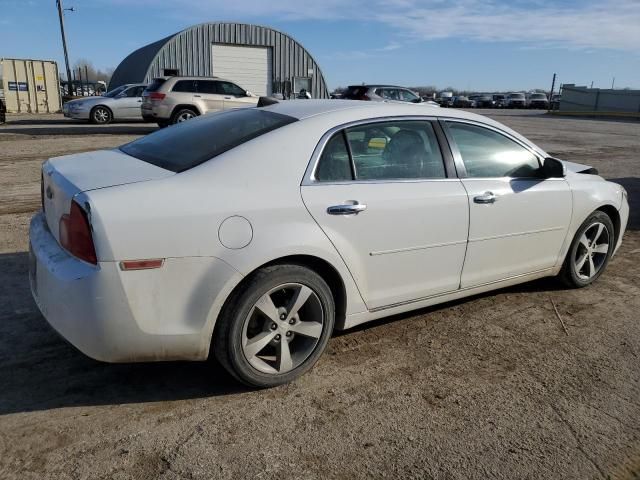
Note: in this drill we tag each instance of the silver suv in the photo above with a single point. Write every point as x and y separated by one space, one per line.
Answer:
169 100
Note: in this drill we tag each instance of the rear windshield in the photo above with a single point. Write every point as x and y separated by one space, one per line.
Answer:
516 95
355 92
155 85
185 145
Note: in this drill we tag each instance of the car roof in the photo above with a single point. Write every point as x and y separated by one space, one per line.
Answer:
302 109
196 78
378 86
339 112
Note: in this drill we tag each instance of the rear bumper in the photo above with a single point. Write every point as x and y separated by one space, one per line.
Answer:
115 316
155 112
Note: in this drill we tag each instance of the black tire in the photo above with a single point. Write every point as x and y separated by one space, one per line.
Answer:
183 114
227 342
569 275
101 115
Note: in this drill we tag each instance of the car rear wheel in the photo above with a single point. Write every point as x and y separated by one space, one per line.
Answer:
275 328
183 115
590 251
101 115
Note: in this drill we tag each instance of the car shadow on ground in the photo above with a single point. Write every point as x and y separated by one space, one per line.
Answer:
57 126
41 371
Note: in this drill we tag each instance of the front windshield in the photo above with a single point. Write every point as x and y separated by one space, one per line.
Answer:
516 95
115 91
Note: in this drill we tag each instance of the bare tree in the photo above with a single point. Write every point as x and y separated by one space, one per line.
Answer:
93 73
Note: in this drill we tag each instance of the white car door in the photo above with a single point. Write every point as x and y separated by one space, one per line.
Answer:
381 193
518 220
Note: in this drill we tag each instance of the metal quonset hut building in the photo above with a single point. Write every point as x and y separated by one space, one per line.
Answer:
259 59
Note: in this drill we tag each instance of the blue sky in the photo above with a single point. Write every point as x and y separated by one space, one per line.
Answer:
482 45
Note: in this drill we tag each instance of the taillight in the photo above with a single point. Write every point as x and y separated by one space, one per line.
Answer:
157 96
75 234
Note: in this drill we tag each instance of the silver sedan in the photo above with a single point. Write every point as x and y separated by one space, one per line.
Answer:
122 103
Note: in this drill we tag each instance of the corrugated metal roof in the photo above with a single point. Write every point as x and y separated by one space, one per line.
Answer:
189 51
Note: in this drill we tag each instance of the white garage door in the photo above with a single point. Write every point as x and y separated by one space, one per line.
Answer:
249 67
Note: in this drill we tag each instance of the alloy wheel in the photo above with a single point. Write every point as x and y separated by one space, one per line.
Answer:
591 252
184 116
100 115
283 328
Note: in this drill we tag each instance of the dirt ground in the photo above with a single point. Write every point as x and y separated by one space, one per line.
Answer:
488 387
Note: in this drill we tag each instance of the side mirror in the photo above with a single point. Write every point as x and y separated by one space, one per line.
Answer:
249 94
553 168
417 100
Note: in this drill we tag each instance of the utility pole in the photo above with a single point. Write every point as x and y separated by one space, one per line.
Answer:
64 44
553 85
613 82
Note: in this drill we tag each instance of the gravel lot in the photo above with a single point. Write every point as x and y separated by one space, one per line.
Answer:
488 387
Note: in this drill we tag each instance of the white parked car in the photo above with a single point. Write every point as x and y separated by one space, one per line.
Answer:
252 234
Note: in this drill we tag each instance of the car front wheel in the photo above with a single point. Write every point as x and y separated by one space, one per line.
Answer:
590 251
101 115
275 328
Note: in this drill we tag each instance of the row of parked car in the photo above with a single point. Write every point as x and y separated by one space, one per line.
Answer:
497 100
169 100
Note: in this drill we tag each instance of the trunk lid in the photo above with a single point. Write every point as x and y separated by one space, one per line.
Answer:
64 177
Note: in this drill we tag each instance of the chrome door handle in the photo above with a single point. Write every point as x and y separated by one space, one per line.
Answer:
347 209
486 197
197 96
227 98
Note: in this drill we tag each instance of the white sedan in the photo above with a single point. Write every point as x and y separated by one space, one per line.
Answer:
252 234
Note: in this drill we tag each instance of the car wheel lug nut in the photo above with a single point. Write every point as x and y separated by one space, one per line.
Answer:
273 326
292 321
288 334
283 316
277 337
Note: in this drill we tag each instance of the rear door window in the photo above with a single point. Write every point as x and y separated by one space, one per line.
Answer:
188 144
335 163
382 151
186 86
207 86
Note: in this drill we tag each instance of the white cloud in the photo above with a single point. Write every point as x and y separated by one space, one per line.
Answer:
585 24
607 24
